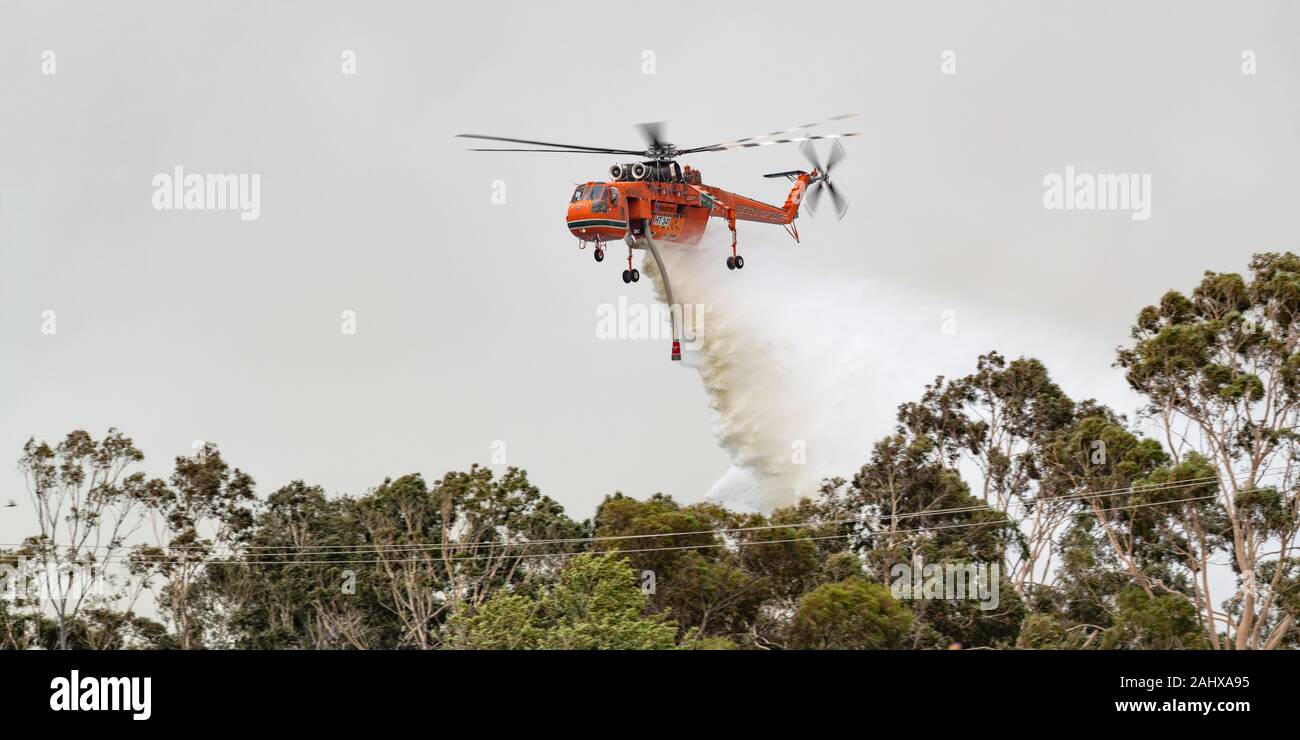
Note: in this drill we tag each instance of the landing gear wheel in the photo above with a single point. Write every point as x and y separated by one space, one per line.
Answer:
636 274
600 254
627 276
731 263
740 262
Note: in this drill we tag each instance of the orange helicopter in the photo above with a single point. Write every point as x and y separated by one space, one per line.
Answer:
659 200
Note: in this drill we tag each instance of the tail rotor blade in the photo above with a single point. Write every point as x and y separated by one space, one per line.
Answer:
812 195
840 202
837 155
810 153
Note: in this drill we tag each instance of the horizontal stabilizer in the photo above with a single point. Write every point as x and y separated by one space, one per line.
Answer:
791 173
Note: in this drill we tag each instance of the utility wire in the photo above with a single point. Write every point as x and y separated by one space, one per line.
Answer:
749 543
377 548
339 550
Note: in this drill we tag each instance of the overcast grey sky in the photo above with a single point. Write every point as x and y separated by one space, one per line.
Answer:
475 320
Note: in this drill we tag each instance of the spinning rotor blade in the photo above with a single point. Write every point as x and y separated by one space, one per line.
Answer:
653 133
837 156
769 142
809 153
558 147
753 140
812 196
554 151
841 204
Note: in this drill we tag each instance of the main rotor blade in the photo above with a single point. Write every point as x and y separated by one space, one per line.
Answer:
653 133
553 151
770 142
575 147
837 155
738 142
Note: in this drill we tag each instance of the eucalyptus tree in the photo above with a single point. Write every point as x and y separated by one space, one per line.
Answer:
1220 373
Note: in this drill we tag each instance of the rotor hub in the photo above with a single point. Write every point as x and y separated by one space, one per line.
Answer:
662 150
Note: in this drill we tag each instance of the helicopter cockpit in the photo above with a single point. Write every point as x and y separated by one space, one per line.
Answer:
600 196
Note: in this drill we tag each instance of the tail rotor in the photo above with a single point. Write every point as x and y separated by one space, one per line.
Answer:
822 175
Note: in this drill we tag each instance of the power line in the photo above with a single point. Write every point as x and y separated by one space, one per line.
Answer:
625 551
379 548
1172 485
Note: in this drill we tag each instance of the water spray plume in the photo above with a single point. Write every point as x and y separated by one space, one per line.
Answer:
804 370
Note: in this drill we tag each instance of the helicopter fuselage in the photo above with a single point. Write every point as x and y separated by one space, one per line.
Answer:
658 200
673 204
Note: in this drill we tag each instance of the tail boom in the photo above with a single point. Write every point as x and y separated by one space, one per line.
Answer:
740 208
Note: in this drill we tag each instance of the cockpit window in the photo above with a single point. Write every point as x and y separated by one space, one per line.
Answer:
613 196
597 192
577 194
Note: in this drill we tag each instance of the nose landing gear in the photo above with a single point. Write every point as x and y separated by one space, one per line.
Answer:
598 252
